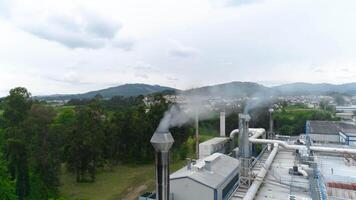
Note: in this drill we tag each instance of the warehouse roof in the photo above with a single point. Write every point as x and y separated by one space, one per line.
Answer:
222 168
330 127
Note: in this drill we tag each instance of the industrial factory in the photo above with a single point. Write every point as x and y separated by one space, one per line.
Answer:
318 164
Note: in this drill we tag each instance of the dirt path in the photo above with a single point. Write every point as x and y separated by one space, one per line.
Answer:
133 193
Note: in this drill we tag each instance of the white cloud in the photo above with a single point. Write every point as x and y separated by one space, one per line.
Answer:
76 28
181 50
215 41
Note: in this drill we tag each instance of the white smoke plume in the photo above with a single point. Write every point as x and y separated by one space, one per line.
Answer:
178 115
195 102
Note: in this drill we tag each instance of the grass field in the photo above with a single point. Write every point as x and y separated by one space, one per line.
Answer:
125 182
1 112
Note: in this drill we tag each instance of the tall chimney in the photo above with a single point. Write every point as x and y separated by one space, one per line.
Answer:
196 134
245 153
270 133
162 142
222 124
244 145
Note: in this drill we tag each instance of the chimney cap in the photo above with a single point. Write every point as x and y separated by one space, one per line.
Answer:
246 117
162 141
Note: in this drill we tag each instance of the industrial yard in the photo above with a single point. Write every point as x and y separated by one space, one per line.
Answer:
318 164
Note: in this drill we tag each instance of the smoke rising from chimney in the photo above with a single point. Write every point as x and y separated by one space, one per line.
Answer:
178 115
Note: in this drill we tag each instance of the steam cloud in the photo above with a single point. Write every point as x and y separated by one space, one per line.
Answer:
178 115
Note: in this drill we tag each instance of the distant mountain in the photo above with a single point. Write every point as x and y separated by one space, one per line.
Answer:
233 89
317 88
126 90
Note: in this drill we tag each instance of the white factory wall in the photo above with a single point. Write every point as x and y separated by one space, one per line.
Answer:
325 138
188 189
214 145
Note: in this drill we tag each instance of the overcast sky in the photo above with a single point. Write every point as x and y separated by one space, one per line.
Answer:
70 46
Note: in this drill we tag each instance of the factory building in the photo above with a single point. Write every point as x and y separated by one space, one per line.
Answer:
214 177
331 132
346 108
320 166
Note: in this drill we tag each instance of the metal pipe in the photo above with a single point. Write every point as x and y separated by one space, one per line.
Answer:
162 142
258 133
252 191
302 171
233 134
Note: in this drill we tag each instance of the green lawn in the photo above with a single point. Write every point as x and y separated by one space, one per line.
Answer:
61 108
1 112
125 179
124 182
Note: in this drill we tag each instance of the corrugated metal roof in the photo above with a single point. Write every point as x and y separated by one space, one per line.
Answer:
331 127
222 167
323 127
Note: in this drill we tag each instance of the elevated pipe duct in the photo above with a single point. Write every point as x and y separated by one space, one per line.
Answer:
252 191
257 134
222 124
162 143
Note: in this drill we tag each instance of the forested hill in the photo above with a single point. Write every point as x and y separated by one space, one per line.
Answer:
315 88
126 90
232 89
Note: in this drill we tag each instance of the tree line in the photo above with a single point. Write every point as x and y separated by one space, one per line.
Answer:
36 140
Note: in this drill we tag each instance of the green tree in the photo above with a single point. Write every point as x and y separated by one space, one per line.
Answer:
44 149
19 165
7 186
84 144
16 106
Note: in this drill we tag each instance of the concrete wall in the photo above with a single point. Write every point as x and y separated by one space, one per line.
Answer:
188 189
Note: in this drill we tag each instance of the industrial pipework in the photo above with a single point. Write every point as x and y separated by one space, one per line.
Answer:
162 143
252 191
254 139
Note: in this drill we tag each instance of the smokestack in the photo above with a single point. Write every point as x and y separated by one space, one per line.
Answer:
244 148
162 142
271 133
196 134
244 145
222 124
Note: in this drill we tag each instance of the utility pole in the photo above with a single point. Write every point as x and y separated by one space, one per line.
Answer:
196 134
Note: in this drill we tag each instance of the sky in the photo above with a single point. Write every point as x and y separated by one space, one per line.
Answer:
74 46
